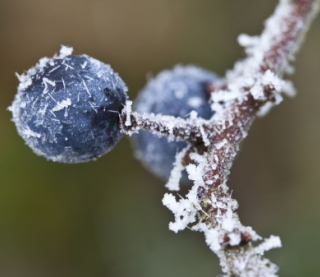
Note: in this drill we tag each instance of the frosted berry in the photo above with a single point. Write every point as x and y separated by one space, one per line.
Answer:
67 107
177 93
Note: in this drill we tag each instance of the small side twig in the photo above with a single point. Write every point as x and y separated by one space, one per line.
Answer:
192 129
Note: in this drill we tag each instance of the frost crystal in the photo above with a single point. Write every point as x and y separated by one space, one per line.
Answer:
176 172
268 244
61 105
65 51
128 111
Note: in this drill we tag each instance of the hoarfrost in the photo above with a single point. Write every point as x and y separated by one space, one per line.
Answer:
265 109
29 133
46 81
247 77
235 239
128 110
183 210
86 87
176 172
25 79
219 222
204 136
268 244
61 105
213 240
65 51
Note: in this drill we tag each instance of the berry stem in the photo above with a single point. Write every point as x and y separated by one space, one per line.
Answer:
170 126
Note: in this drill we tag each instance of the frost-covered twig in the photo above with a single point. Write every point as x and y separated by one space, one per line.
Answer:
250 89
254 82
178 167
194 130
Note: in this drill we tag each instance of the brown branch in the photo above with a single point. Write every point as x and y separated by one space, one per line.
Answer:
294 25
253 82
229 139
294 28
224 146
216 211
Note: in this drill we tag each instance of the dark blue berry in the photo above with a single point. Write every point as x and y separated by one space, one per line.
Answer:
67 108
177 92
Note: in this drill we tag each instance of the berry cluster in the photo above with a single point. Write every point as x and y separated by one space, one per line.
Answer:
67 109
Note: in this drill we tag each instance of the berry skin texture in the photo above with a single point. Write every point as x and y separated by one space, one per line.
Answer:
67 107
177 93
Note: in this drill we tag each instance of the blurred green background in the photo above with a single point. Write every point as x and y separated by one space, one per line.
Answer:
105 218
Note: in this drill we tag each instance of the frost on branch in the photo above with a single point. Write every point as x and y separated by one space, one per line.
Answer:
226 229
250 89
176 173
193 129
269 57
253 87
128 110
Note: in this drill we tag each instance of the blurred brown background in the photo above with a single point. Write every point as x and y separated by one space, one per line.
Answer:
105 218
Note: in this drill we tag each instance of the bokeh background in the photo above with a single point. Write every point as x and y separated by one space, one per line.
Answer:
105 218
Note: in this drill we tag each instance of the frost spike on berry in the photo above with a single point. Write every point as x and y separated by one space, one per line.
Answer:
175 92
67 107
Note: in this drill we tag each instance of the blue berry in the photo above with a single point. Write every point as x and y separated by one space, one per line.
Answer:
176 93
67 107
